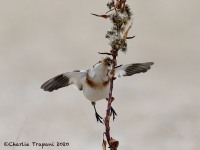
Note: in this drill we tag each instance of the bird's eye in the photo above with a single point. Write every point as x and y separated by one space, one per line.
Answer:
109 63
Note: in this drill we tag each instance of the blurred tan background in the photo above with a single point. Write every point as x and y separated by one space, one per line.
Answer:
156 110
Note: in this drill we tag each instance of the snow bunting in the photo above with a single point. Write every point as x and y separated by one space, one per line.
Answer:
95 82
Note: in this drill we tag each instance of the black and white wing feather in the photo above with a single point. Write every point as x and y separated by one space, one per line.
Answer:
130 69
65 79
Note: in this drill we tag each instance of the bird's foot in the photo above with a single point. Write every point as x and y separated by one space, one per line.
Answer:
113 113
112 99
99 118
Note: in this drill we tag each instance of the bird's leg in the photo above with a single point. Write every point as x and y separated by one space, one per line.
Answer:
113 112
98 117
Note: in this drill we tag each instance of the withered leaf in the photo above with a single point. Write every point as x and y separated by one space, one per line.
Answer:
114 143
104 144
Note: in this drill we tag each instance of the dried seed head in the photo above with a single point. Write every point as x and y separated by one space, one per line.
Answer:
109 34
122 29
119 19
110 5
128 12
124 48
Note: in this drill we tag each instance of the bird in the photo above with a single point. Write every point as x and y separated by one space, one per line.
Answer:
95 82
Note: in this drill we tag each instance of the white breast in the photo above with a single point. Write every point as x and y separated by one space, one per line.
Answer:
97 93
97 86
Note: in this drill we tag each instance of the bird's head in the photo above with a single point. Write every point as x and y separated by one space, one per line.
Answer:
106 62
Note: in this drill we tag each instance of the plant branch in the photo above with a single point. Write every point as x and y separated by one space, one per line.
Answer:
112 142
131 37
105 53
103 16
117 36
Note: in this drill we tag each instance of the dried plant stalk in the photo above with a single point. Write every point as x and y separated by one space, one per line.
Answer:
120 15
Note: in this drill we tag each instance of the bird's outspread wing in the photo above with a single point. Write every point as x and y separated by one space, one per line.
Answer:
76 78
130 69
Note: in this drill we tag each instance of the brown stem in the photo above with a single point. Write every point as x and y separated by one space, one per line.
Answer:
112 143
119 6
